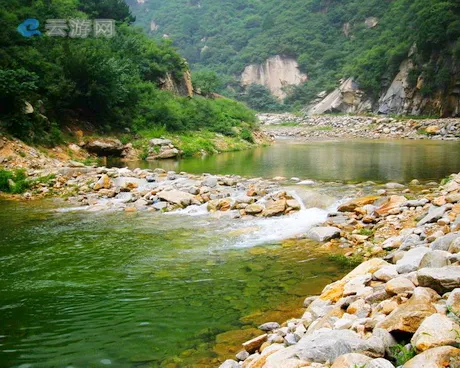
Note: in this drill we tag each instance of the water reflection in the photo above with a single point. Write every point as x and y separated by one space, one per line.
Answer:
342 160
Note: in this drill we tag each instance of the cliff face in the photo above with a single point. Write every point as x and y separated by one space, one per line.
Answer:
179 86
410 93
275 74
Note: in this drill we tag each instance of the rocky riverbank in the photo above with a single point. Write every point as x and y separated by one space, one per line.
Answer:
340 127
399 308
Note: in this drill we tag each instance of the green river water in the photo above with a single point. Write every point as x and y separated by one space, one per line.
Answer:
151 290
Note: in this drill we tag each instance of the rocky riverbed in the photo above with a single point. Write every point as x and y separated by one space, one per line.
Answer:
399 308
339 127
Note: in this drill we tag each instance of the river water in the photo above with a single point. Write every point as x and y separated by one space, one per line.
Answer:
155 290
360 160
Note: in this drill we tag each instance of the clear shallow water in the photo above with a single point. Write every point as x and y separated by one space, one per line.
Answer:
380 161
149 290
143 290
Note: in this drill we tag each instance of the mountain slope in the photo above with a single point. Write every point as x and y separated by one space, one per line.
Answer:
126 82
331 39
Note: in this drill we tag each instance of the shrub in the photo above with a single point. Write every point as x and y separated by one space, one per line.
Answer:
13 182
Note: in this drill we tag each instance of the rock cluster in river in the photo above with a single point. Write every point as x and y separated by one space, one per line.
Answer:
320 127
401 309
102 189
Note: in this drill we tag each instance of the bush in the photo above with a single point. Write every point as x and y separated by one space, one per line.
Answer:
13 182
246 134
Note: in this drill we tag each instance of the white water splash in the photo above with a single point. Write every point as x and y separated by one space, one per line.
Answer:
276 229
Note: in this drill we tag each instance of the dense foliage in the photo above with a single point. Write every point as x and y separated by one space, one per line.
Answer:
111 83
329 38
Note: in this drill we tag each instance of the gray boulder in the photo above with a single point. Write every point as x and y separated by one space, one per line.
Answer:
328 345
379 363
434 214
105 147
269 326
435 259
411 260
160 142
322 234
229 364
176 197
444 242
440 279
210 181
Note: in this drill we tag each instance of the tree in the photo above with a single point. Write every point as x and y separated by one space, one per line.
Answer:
206 81
259 98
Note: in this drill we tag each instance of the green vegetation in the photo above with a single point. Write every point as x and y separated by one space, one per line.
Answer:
401 354
324 129
17 182
13 182
329 38
366 232
344 261
196 142
113 84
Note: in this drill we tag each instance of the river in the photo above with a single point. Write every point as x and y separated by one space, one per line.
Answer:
156 290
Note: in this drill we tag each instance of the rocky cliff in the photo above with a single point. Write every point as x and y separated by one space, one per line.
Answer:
276 73
179 86
411 92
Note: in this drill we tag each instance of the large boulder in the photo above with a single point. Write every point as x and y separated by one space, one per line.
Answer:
435 259
390 204
254 209
436 330
168 153
351 360
411 260
399 285
160 142
322 234
253 345
444 242
229 364
442 279
275 208
176 197
453 302
440 357
433 215
327 345
105 147
379 363
409 315
350 206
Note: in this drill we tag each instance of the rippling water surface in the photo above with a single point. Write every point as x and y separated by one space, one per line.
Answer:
143 290
150 290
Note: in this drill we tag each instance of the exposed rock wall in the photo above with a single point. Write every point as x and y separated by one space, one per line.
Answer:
400 98
275 74
181 87
347 98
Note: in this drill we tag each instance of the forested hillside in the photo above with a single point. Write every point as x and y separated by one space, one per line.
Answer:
331 39
48 82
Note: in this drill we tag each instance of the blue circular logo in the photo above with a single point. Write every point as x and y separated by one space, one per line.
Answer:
29 28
